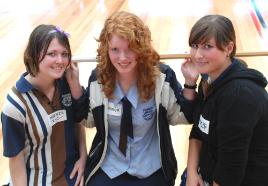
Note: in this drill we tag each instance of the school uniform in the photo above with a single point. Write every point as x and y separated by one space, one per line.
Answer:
151 131
45 131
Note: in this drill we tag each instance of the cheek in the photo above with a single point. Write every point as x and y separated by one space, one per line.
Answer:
192 53
112 56
210 56
133 57
67 61
217 57
43 66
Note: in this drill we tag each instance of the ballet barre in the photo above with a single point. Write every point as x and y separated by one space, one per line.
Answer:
181 56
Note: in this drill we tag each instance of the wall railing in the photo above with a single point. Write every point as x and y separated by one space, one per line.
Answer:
181 56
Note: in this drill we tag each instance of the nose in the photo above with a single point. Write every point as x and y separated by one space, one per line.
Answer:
198 53
59 59
122 56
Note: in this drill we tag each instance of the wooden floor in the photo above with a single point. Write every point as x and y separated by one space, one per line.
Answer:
169 20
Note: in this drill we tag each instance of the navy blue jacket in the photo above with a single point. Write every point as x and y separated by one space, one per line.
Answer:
171 107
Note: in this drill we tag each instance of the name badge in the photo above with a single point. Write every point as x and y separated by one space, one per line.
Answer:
114 109
57 116
203 125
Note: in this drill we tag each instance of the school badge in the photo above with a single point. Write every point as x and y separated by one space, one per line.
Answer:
148 113
67 100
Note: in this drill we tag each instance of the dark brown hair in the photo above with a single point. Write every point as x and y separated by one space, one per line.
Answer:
217 26
38 44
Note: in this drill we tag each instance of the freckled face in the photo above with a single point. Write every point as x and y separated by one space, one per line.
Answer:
122 57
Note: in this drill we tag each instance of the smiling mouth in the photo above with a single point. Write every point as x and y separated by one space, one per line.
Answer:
58 68
124 64
201 63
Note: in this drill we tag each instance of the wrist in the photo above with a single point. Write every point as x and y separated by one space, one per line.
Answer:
191 172
190 81
76 91
83 157
74 83
190 86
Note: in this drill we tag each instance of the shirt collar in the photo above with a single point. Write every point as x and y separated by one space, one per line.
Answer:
132 94
23 85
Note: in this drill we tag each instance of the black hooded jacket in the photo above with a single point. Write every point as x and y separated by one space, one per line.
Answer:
231 120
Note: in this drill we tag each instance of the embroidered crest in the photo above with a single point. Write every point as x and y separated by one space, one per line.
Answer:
67 100
148 113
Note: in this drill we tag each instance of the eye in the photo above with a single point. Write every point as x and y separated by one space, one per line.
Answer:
195 46
208 46
114 49
52 54
65 54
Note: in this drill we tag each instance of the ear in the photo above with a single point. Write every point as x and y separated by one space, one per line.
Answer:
229 48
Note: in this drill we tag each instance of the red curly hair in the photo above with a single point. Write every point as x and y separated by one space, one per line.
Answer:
138 35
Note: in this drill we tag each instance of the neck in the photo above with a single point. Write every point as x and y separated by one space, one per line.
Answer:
126 82
45 86
214 75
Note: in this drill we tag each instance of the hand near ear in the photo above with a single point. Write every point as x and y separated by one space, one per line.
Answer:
72 76
189 72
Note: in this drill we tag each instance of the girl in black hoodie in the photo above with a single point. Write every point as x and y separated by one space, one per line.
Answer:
229 139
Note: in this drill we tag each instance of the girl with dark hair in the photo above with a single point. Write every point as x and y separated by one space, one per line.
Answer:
41 139
228 142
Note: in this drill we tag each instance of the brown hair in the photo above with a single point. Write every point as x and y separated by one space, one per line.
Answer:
131 28
217 26
38 44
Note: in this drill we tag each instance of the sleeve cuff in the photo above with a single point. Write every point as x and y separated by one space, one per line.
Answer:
81 106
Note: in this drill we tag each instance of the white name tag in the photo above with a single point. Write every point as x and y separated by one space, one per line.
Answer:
203 125
114 109
56 117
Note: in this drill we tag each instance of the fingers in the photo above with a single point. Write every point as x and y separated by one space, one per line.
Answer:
78 169
201 182
187 61
81 181
75 64
79 176
77 182
75 169
185 64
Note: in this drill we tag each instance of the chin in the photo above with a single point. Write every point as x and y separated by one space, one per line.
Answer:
57 76
124 71
202 70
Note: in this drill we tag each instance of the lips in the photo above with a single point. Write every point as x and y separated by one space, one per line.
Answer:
58 68
201 63
124 64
